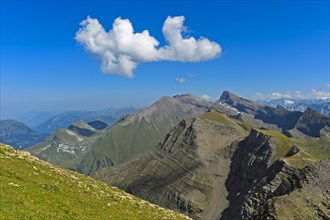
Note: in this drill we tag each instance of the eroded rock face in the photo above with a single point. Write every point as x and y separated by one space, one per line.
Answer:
186 172
256 185
283 118
212 170
311 122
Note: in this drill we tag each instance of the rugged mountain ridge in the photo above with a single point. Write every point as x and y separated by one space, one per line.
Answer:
207 173
284 119
187 170
311 122
125 139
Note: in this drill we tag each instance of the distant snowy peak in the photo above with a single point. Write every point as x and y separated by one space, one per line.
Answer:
320 105
288 102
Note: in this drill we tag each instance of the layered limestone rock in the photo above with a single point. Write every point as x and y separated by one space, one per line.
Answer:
187 171
211 167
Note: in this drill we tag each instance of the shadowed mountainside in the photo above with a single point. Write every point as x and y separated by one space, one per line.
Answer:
208 167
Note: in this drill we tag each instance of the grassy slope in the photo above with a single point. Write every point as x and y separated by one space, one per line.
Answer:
34 189
66 160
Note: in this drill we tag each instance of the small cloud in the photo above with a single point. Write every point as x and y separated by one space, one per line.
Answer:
328 85
121 50
320 94
180 80
206 97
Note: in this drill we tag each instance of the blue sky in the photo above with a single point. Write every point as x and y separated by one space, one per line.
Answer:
268 47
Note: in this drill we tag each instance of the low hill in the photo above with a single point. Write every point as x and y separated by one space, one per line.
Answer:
35 189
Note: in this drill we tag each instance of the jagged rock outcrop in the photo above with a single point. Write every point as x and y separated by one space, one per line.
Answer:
283 118
311 122
282 184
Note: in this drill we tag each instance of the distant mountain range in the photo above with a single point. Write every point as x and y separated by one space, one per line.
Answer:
229 159
135 134
34 118
64 120
19 135
320 105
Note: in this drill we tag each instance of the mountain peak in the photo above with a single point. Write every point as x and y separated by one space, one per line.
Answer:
241 104
228 95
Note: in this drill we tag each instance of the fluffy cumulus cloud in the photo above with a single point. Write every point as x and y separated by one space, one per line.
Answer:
313 94
121 50
180 80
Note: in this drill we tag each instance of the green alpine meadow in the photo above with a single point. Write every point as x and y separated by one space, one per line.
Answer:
34 189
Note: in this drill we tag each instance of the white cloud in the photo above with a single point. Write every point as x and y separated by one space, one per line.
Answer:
328 85
320 94
180 80
206 97
120 50
313 94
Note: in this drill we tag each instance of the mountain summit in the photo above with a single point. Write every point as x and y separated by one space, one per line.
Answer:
241 104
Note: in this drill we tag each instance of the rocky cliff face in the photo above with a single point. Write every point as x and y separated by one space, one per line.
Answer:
282 184
311 122
254 178
209 167
283 118
187 171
